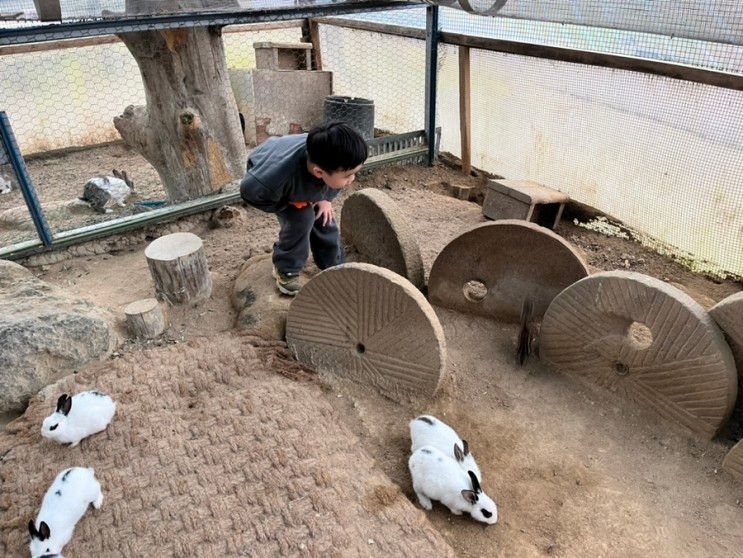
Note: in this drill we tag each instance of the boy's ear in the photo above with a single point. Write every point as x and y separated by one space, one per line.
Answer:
316 171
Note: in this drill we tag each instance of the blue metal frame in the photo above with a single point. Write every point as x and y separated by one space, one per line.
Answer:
27 188
433 30
73 29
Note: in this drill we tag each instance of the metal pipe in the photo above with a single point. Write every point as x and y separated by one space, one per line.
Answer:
432 58
15 158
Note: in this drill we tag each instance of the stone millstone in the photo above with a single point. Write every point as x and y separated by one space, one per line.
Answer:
733 462
368 324
509 260
728 314
372 225
640 336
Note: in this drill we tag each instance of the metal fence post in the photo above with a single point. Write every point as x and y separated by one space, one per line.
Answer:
432 59
10 148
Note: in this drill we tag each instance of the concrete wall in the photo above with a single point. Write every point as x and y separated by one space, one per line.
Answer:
288 102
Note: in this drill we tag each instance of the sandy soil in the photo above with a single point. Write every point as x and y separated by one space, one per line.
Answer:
576 471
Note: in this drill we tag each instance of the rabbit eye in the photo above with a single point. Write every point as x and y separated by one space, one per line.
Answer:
486 513
53 427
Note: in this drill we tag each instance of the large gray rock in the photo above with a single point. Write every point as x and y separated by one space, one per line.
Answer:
44 335
261 308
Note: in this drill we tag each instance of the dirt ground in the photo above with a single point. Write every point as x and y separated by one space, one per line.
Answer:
576 471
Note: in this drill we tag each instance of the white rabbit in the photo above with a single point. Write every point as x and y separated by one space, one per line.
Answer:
102 192
6 185
78 417
436 476
63 505
427 430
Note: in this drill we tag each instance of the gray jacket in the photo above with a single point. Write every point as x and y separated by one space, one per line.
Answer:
277 174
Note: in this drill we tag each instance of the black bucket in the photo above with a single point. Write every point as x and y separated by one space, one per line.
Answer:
354 111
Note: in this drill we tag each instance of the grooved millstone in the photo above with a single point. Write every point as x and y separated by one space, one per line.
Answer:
369 324
373 225
733 462
514 260
728 313
685 371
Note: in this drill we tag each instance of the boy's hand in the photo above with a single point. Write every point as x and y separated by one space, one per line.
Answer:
325 212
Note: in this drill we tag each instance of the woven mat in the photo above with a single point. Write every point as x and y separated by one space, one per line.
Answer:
213 452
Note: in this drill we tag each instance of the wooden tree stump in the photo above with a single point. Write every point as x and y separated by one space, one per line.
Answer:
179 268
145 319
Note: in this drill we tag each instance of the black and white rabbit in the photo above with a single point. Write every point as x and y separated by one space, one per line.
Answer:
63 506
427 430
6 184
103 192
436 476
78 417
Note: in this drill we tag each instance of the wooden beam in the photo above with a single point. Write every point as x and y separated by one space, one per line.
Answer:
465 112
601 59
315 40
373 27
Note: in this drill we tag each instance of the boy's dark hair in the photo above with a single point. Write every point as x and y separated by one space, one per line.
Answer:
336 147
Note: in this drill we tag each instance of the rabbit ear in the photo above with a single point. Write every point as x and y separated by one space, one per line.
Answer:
66 406
475 482
458 455
44 532
61 401
32 529
470 496
465 447
116 173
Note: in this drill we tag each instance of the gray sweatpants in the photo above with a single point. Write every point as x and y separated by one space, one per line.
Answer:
300 233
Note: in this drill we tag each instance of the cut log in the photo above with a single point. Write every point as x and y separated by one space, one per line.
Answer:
145 319
179 268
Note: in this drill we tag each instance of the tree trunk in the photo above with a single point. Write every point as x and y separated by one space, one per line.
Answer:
190 129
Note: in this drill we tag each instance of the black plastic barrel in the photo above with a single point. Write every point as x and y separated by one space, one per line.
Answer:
354 111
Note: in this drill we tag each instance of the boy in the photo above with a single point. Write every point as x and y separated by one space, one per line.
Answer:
296 177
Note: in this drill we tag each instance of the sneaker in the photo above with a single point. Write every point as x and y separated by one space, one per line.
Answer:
287 284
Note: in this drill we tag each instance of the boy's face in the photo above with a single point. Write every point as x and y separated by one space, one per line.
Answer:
338 179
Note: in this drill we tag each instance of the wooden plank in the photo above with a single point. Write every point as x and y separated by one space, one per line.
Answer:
269 26
111 39
465 112
58 45
315 40
373 27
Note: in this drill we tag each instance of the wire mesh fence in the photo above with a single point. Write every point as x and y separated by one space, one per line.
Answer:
385 69
664 156
62 98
